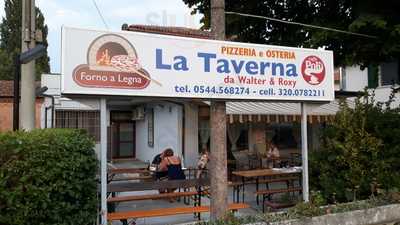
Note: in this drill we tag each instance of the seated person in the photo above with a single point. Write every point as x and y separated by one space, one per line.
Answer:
202 163
273 151
159 174
172 165
273 155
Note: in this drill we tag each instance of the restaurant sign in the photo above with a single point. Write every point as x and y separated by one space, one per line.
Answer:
141 64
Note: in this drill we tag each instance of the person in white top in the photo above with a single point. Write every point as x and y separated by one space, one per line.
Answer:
202 163
273 155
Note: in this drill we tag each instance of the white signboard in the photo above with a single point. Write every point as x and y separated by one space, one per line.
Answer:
140 64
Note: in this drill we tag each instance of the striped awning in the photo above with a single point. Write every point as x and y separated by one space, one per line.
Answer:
280 112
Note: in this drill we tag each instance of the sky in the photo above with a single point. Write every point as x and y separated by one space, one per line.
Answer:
83 13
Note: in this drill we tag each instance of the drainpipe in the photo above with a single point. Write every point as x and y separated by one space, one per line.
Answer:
52 110
49 107
342 74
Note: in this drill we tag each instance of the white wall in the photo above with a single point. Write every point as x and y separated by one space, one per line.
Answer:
167 122
356 79
191 135
382 95
167 131
52 82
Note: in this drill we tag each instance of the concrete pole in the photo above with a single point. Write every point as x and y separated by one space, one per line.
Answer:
218 159
304 151
103 159
27 109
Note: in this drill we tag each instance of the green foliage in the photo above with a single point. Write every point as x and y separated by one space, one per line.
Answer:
47 177
371 17
10 43
247 29
360 152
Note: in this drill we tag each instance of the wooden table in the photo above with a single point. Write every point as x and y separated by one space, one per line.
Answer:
256 174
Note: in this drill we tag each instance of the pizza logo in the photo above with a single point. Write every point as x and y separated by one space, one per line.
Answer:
112 62
313 70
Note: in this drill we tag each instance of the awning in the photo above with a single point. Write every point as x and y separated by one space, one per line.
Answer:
280 112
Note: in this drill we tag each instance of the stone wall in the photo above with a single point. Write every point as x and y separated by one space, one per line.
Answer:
387 214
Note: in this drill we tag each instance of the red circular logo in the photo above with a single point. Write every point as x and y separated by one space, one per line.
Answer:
313 70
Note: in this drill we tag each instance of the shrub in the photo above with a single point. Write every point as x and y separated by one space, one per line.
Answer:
47 177
361 151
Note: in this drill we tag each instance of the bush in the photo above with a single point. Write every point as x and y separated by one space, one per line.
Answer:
361 152
47 177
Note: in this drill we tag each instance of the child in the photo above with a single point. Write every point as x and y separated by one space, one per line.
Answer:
202 163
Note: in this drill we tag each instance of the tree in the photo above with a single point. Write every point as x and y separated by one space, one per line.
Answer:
376 18
247 29
371 17
10 44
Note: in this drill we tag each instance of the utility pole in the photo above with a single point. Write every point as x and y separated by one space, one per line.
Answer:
27 109
218 162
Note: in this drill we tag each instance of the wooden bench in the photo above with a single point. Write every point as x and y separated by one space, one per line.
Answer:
188 187
156 185
127 170
167 212
151 196
236 185
269 192
278 205
126 178
144 174
265 181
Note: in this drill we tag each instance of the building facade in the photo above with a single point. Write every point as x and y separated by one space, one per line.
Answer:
7 105
140 128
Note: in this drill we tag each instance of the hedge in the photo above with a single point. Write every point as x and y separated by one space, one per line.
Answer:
47 177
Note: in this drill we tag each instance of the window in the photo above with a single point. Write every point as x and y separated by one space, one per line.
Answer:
390 73
87 120
243 140
282 135
373 72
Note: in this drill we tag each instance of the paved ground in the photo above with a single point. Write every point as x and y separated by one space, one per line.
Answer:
153 204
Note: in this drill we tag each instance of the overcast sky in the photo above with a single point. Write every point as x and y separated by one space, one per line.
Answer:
83 13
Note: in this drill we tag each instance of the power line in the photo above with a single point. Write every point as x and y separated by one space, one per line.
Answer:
100 14
302 24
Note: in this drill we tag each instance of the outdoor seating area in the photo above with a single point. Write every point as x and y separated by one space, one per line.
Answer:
135 196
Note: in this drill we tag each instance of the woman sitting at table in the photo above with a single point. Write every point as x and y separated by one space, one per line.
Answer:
273 155
159 174
172 165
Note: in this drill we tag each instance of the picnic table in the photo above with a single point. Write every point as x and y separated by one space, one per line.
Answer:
141 174
190 187
265 173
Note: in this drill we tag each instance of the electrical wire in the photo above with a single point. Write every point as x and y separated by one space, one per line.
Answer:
302 24
100 14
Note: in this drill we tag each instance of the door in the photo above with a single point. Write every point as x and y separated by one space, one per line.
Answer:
124 145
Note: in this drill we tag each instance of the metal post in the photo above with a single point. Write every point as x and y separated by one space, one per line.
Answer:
52 111
103 159
17 77
28 96
304 151
218 159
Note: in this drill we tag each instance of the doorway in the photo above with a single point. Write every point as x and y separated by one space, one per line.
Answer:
123 135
